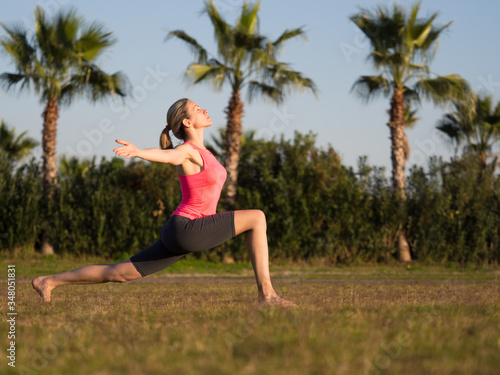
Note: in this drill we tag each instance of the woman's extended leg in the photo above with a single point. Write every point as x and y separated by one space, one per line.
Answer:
254 222
93 274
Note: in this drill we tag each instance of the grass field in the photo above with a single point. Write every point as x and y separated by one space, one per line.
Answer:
201 318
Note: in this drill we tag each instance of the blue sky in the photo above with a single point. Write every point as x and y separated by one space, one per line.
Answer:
334 56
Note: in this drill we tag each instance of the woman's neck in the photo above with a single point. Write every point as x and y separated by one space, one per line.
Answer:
196 138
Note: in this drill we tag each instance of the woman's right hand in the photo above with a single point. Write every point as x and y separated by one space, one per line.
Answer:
128 150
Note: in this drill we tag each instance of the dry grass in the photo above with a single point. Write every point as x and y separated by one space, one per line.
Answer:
449 326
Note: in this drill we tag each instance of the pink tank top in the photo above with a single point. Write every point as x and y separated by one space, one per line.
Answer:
201 191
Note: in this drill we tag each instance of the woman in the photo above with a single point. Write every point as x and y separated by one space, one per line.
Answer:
194 226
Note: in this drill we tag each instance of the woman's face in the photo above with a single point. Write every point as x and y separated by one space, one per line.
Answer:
198 117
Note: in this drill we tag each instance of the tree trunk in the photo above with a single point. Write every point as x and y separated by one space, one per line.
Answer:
399 155
49 169
482 160
232 145
404 254
396 125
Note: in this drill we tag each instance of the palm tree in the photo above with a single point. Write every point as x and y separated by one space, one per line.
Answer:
12 146
74 167
476 128
402 45
244 58
59 63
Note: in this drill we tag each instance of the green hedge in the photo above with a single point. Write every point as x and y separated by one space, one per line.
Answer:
315 206
20 198
454 212
111 208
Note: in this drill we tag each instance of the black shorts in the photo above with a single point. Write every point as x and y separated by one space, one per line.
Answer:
180 236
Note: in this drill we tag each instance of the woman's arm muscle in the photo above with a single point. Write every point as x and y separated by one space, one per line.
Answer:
175 156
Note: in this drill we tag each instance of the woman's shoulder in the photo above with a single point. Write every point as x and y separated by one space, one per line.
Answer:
192 152
192 146
185 147
181 146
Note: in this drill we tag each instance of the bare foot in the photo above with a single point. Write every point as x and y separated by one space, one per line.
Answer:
275 301
43 287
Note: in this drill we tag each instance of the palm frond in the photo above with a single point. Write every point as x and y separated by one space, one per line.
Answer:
66 27
260 57
9 80
411 97
413 17
429 46
384 28
44 33
247 42
15 147
418 30
93 41
281 76
17 46
222 30
248 20
488 116
450 130
449 126
419 69
287 35
422 32
196 48
214 73
273 93
410 117
496 111
371 87
94 84
445 89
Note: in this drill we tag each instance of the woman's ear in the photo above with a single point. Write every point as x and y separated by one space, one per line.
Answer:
186 123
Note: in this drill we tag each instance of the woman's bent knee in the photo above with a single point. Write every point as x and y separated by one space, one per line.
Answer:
261 219
249 220
123 272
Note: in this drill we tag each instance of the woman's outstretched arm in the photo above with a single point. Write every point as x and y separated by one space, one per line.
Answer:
175 156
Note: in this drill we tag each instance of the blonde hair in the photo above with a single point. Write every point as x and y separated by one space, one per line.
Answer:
175 115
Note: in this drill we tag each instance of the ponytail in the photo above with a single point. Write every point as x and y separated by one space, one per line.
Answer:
175 115
165 140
